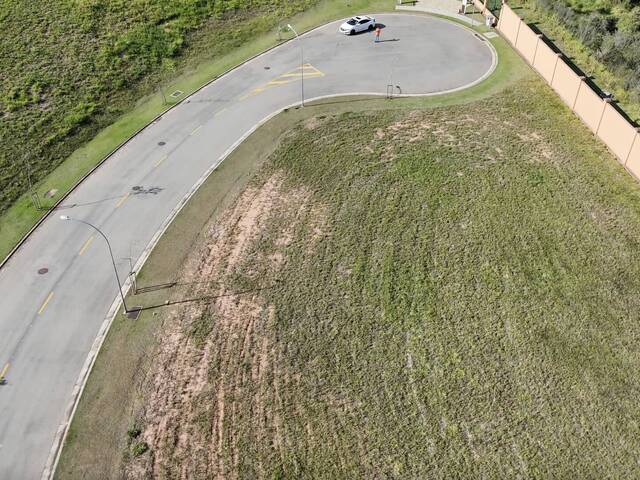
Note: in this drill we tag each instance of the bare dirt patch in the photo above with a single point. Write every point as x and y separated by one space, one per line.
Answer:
218 354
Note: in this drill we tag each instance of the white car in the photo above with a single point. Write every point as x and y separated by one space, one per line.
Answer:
358 24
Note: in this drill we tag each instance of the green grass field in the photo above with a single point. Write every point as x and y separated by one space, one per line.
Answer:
423 288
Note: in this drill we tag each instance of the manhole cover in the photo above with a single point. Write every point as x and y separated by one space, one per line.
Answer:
134 313
42 271
51 193
162 143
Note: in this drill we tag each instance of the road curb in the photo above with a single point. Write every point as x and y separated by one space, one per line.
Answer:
78 389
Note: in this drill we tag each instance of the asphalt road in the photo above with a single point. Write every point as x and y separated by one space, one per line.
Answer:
49 321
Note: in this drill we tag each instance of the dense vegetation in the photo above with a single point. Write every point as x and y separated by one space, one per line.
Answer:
610 29
70 67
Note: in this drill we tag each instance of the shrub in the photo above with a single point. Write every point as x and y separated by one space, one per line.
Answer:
139 448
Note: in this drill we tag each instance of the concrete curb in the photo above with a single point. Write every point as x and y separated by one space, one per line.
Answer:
63 429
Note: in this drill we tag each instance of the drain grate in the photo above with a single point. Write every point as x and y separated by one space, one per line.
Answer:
42 271
134 313
176 94
162 144
267 68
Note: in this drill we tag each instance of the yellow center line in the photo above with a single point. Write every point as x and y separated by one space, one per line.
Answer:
219 112
197 128
44 305
122 200
157 164
86 244
4 372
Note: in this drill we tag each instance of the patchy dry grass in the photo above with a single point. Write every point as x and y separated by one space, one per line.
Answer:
439 293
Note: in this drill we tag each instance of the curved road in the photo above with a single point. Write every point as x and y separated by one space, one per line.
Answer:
49 321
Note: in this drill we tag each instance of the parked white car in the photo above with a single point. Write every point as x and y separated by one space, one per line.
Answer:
358 24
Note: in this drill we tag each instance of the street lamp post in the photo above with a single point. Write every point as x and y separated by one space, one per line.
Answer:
113 262
301 62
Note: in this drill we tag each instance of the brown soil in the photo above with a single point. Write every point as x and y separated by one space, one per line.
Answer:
199 380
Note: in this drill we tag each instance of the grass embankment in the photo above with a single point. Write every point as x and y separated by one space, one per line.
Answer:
609 51
448 292
54 110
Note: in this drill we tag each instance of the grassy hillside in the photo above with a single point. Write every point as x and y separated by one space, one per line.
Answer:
69 68
601 36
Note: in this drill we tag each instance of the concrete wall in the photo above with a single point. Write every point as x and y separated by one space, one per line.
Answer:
622 138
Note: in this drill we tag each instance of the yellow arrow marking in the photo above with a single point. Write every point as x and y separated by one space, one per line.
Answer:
86 245
307 70
44 305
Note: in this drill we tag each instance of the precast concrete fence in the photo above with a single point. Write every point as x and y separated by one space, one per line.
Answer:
598 113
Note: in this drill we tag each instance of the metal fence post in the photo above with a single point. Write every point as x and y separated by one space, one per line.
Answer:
606 102
554 68
535 52
582 79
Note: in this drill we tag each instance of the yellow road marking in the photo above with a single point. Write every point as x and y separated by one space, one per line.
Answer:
157 164
4 372
305 70
86 244
220 111
197 128
122 200
44 305
279 82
